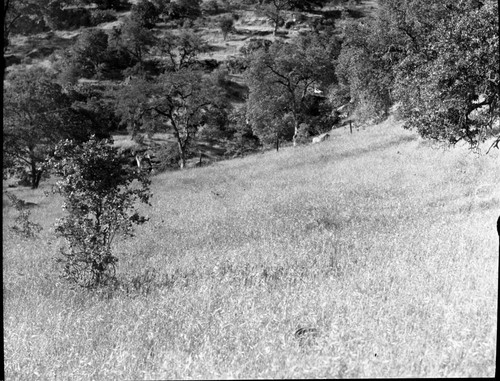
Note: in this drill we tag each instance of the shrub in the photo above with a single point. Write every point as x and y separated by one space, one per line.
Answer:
96 183
99 16
23 226
226 25
58 18
255 44
189 8
236 65
119 60
211 7
145 13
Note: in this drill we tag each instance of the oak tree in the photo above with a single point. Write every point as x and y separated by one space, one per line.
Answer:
37 114
179 101
285 76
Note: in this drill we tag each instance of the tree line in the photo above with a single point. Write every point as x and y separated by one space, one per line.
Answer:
436 60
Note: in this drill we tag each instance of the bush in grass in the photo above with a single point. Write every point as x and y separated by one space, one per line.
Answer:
23 226
100 192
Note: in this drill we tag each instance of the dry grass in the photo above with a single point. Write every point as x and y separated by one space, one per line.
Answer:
379 240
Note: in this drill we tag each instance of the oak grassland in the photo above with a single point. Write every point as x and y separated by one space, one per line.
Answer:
372 254
380 241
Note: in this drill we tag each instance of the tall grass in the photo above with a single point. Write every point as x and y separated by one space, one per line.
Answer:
379 240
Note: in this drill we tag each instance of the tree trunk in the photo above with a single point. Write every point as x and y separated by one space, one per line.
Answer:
182 147
38 178
182 153
296 132
35 175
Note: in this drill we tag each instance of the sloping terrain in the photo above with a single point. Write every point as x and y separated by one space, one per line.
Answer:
383 243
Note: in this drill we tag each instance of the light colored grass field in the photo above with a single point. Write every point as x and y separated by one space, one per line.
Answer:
384 243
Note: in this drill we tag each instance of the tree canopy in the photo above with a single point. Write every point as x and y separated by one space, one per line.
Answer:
180 102
437 59
449 83
283 78
37 114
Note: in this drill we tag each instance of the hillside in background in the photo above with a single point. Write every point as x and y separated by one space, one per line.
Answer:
45 50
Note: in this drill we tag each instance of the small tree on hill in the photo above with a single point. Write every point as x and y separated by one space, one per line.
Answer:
180 51
135 40
226 26
100 194
274 12
89 54
145 13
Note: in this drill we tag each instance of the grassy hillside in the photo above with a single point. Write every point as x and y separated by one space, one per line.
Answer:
383 243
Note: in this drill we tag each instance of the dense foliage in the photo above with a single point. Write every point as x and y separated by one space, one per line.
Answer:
226 25
37 114
282 81
100 193
145 13
180 101
449 83
437 59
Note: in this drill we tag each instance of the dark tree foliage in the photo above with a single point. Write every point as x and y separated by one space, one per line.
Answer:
135 41
61 15
145 14
22 16
90 53
37 114
117 5
180 101
438 59
94 104
449 81
97 55
307 5
189 8
226 25
100 193
281 81
365 71
181 9
240 139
